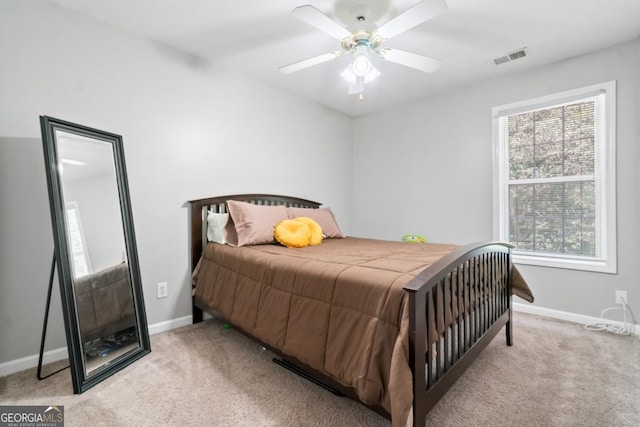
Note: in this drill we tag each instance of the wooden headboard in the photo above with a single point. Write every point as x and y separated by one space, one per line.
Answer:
199 208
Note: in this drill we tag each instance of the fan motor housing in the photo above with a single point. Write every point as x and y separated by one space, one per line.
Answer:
362 38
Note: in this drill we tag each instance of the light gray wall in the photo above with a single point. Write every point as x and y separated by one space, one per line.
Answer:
430 163
26 249
190 130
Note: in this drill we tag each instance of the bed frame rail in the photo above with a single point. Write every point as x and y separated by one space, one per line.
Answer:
479 276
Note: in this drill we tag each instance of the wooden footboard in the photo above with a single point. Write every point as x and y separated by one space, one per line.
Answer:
473 287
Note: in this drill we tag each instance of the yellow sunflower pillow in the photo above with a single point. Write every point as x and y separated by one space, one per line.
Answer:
316 230
292 233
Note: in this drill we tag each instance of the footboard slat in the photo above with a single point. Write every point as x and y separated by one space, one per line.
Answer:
492 297
461 319
466 302
438 342
484 309
474 302
430 338
493 287
447 336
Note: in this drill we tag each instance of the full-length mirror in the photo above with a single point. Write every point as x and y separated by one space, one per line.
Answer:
95 250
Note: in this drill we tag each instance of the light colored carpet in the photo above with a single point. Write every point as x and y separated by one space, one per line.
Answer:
556 374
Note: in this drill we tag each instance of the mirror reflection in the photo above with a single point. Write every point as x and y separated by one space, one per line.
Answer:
95 236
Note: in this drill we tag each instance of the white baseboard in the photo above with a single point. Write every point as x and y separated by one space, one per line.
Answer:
50 356
168 325
28 362
570 317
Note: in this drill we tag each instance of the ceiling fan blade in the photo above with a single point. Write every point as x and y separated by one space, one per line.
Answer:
416 14
409 59
315 18
296 66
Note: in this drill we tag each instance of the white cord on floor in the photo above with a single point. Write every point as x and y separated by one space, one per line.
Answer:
614 329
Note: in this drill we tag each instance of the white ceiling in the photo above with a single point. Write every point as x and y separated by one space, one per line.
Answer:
257 37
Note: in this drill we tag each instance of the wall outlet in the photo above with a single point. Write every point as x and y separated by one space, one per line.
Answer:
621 297
161 289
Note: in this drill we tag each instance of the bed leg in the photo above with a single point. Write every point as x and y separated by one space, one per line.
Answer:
509 325
196 313
509 334
509 329
419 418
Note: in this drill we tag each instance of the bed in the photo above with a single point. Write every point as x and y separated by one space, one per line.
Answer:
390 324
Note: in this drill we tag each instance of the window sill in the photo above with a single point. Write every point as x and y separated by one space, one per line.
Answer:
597 266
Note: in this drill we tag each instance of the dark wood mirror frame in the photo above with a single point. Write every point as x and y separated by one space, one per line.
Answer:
81 381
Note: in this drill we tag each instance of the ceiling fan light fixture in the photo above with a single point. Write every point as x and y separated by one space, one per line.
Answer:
348 74
361 67
360 72
371 75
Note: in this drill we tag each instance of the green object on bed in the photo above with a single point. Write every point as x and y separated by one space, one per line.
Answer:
413 238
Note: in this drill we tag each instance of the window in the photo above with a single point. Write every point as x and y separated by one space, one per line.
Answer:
554 179
81 265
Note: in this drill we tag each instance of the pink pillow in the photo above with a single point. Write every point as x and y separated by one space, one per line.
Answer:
323 216
253 224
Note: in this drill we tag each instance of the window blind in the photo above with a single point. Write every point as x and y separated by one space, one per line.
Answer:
553 176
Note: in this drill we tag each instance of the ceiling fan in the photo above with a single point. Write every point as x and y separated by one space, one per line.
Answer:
363 42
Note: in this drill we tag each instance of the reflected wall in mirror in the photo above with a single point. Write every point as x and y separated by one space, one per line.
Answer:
95 248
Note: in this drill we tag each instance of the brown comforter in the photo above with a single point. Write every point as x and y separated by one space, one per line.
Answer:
339 307
105 302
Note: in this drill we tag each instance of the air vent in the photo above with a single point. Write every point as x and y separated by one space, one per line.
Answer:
520 53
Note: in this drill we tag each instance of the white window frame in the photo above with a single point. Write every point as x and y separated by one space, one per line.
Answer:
83 251
605 260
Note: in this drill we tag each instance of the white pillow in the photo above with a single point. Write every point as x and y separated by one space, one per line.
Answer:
215 227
